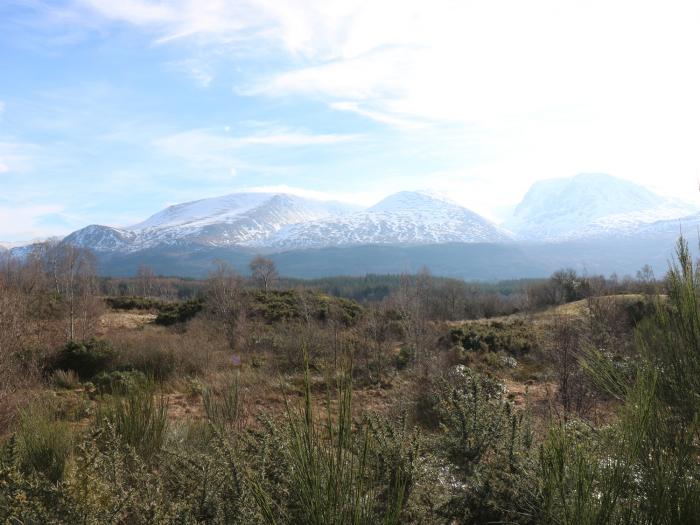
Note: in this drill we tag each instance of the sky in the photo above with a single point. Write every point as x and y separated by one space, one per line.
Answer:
112 110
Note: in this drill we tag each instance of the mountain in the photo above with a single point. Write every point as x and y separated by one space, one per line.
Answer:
240 219
595 223
404 218
589 206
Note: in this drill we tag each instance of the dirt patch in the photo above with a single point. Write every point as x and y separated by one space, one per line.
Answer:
113 321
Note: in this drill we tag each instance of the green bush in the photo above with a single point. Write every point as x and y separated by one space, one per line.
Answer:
514 337
288 305
172 313
134 303
120 382
405 356
43 442
486 450
85 358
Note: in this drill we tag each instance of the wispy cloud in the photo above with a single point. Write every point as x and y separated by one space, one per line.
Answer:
24 223
214 149
16 156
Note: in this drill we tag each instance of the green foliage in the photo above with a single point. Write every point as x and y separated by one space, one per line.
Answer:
25 497
140 419
334 473
290 305
488 451
224 409
120 382
179 312
514 337
135 303
645 468
85 358
405 356
43 442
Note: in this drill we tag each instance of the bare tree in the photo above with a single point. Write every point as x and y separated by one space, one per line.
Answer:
145 277
647 280
410 303
227 302
73 271
565 349
264 272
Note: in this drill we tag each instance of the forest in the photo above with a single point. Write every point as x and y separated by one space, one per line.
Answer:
249 398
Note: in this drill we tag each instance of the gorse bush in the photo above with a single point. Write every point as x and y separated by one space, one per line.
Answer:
120 382
224 409
487 449
172 313
85 359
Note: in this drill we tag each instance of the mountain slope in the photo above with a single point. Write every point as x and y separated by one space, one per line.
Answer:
402 218
589 205
239 219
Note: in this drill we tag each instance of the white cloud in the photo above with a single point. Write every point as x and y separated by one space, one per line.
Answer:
16 156
207 148
602 84
23 223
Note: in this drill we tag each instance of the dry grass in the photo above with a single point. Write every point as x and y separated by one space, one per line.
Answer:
112 321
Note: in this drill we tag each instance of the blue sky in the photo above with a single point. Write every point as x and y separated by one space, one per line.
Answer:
111 110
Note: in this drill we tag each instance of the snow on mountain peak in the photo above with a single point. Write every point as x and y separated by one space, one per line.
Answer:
406 217
589 204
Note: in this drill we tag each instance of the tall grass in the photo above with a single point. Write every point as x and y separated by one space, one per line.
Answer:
225 409
332 467
140 419
43 442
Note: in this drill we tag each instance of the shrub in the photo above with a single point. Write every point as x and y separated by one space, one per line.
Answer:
405 356
67 379
515 337
120 382
330 471
139 419
86 358
44 443
134 303
156 362
172 313
485 448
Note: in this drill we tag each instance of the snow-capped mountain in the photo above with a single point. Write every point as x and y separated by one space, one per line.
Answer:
402 218
588 206
240 219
